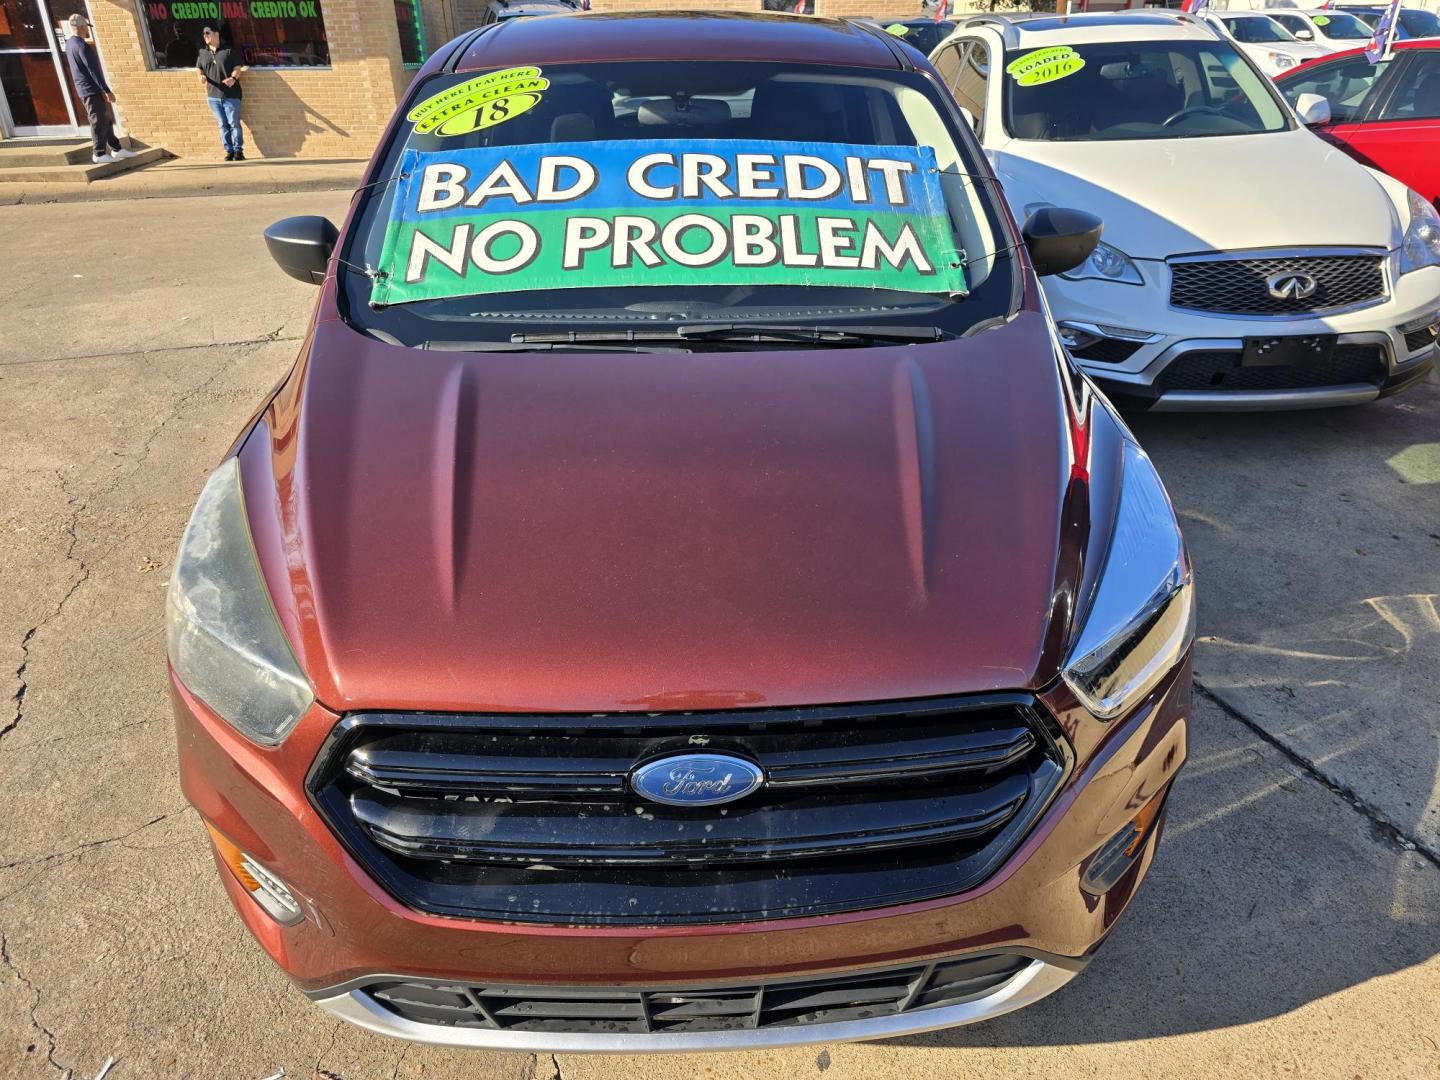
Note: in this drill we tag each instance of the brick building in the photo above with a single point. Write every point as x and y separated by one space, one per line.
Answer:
325 74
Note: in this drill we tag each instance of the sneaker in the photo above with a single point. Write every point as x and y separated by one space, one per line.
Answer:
229 155
102 159
122 153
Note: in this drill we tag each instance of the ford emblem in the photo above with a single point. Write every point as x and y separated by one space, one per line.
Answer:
696 779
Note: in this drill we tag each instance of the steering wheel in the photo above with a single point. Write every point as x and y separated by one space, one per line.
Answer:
1193 110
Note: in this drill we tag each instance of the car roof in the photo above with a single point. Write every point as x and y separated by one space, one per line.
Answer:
698 36
1037 31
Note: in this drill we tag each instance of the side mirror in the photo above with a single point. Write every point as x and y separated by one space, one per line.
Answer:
1313 109
302 246
1305 35
970 118
1059 239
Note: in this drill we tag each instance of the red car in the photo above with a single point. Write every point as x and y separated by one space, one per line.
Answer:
683 597
1384 115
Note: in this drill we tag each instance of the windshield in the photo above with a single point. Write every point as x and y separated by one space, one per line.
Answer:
1256 29
925 34
1341 27
1419 24
1137 90
644 195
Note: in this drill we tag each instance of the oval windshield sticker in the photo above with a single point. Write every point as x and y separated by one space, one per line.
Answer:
1322 20
1044 65
480 103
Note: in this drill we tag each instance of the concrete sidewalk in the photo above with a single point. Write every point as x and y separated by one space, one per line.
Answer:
194 176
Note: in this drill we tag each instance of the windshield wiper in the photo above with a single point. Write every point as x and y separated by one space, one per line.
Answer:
533 345
757 333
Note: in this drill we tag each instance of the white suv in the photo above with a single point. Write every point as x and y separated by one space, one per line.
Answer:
1245 262
1273 48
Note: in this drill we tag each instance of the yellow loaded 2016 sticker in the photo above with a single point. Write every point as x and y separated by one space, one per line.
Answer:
1044 65
480 103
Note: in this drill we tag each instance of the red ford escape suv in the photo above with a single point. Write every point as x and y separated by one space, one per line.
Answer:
683 597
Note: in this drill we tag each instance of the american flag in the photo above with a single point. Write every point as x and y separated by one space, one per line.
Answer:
1196 7
1379 46
942 9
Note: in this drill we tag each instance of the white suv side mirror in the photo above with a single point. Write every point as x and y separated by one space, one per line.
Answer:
1313 109
969 118
1305 35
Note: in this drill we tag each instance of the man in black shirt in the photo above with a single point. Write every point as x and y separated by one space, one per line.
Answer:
219 66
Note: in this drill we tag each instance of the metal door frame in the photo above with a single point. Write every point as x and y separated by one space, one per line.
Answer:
8 127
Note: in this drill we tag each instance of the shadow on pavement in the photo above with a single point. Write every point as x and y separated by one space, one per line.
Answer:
1267 894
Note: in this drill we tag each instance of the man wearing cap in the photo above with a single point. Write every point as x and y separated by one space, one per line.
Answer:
219 66
94 91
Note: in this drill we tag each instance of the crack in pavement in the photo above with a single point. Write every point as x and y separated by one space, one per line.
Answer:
40 860
143 351
1381 824
24 687
77 507
50 1040
318 1071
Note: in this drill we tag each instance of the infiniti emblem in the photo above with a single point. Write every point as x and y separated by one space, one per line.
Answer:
1291 286
696 779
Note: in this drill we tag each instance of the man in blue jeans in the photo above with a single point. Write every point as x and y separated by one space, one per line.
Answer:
220 67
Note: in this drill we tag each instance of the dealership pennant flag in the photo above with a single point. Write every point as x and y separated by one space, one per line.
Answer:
799 7
1379 47
941 10
472 221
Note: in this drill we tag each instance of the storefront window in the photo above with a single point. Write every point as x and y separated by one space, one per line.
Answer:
268 33
412 33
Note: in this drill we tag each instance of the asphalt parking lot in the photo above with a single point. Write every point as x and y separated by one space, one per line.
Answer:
1291 923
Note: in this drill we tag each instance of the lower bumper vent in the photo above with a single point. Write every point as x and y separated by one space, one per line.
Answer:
1222 370
742 1007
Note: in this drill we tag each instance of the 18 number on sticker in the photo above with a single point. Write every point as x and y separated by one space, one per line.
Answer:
479 103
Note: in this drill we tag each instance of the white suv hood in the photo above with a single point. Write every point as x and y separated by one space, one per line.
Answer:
1163 197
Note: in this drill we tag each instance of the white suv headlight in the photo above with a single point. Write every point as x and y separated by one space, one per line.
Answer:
1106 263
224 640
1421 246
1281 60
1143 617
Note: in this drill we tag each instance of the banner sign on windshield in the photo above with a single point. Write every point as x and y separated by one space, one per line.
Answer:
466 222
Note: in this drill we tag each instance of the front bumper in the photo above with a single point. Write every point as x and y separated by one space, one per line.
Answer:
1133 366
354 931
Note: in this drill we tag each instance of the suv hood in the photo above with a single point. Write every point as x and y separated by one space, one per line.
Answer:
1283 189
611 531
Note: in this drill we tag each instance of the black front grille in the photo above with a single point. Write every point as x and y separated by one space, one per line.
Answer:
532 818
743 1007
1241 286
1220 369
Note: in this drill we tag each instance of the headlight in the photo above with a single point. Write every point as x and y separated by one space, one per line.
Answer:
224 641
1421 246
1281 61
1143 617
1106 263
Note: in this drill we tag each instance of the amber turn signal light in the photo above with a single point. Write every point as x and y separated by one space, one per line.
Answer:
267 890
1119 853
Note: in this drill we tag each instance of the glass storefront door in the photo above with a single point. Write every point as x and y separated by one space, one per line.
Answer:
35 93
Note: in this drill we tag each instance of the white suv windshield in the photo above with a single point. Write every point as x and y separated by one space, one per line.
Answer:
1137 90
1256 29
